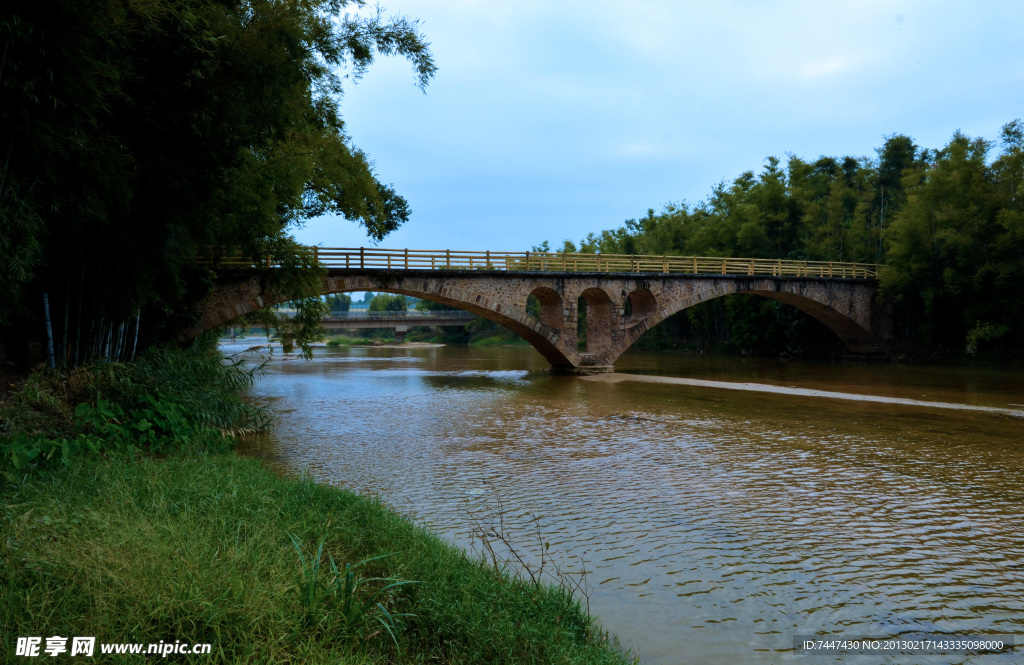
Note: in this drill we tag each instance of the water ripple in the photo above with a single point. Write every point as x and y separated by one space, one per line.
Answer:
710 524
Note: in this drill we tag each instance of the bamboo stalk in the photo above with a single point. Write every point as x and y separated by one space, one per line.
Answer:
67 314
135 337
78 323
118 343
49 330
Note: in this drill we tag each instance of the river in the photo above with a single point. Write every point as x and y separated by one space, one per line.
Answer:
715 525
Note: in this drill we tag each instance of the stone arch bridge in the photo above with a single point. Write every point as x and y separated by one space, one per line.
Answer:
625 295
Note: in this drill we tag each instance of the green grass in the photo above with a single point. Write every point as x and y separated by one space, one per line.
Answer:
211 547
510 339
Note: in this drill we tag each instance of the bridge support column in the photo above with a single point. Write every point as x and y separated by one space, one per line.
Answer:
400 334
583 369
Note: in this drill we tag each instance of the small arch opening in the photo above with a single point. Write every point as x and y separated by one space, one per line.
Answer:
640 304
545 305
594 324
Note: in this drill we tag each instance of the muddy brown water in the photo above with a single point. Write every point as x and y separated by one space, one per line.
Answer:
714 524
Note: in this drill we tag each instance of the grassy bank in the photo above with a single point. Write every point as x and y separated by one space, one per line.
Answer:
358 341
125 516
210 547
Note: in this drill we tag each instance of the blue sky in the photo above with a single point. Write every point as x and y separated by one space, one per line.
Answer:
549 120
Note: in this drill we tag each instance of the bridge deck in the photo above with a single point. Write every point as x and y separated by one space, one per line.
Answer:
420 259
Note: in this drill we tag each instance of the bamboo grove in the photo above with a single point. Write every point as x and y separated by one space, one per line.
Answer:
136 135
946 223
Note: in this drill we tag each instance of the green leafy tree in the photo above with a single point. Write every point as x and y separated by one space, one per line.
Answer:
386 302
431 306
338 303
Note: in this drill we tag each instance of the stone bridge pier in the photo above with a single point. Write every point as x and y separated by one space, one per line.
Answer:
620 308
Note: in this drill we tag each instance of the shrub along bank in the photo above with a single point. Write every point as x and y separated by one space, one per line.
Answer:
166 399
152 531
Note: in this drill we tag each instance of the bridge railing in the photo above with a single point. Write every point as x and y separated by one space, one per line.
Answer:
450 259
356 315
411 315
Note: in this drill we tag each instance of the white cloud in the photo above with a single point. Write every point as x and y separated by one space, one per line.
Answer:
826 67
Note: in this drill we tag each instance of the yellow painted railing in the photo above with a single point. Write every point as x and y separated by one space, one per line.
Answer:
450 259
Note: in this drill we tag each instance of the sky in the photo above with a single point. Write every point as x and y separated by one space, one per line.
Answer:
548 120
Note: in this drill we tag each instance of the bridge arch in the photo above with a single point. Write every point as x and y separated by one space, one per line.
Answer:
839 316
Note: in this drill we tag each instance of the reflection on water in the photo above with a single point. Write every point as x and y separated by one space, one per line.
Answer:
715 524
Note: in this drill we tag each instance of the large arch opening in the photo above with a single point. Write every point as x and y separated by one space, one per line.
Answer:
234 297
540 334
853 336
748 325
736 317
595 330
405 317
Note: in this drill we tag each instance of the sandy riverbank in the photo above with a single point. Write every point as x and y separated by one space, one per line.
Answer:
792 390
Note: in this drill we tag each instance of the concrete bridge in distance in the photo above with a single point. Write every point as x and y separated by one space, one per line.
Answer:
625 295
400 322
